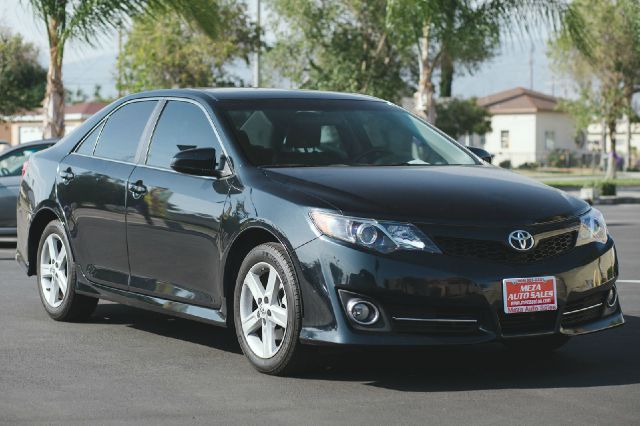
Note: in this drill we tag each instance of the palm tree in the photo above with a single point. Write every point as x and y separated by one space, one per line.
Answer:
463 31
87 20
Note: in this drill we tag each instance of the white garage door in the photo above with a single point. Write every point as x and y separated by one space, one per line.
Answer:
29 133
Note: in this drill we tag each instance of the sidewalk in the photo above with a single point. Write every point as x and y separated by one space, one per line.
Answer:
623 196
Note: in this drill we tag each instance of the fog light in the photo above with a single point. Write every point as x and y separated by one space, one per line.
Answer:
362 312
612 297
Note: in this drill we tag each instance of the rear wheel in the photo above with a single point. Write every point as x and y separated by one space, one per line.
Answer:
268 311
536 345
57 277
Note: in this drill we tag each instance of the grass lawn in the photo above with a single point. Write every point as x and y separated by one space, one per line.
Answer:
622 182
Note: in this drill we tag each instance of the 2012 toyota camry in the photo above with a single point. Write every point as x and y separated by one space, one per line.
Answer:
308 218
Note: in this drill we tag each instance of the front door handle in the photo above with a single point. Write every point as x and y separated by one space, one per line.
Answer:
67 175
137 189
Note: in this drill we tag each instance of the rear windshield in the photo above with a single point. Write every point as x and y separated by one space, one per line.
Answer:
303 133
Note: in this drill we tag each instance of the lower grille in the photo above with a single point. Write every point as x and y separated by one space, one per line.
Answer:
420 319
528 322
583 310
500 252
435 325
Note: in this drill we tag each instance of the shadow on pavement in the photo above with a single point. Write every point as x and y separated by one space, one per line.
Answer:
167 326
610 358
7 250
602 359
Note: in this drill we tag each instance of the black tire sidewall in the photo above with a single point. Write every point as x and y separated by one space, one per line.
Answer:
55 227
276 256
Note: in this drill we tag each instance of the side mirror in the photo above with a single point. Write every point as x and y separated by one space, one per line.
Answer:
481 153
196 161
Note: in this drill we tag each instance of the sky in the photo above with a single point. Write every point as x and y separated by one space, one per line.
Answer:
86 66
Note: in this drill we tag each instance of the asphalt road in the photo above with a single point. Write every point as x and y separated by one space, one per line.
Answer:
127 366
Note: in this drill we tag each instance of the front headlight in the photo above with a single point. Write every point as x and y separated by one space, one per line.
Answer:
592 228
382 236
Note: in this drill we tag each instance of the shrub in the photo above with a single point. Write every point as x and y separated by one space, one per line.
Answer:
528 166
506 164
607 188
560 158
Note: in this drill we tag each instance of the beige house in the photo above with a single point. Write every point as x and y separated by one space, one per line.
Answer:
27 126
526 126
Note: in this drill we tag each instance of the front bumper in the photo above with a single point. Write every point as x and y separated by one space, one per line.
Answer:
450 293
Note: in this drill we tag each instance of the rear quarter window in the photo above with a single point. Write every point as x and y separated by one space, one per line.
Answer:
122 131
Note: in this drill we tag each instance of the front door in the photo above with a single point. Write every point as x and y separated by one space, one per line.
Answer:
173 219
92 188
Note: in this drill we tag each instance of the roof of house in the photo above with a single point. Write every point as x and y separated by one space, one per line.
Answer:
517 101
79 111
85 108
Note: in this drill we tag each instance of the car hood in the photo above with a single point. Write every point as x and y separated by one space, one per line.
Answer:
465 195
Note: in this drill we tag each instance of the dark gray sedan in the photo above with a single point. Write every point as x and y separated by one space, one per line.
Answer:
11 162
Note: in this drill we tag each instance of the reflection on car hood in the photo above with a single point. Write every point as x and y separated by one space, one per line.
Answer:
469 195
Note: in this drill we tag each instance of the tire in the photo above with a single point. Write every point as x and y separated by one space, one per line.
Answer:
536 345
61 304
289 356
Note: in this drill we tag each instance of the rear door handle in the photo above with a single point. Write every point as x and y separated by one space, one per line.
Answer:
67 175
137 189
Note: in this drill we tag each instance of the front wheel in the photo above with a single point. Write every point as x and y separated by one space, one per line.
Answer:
268 311
57 277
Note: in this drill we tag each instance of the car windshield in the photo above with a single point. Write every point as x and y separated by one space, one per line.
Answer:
307 133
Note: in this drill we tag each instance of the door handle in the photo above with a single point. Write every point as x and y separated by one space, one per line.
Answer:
137 189
67 175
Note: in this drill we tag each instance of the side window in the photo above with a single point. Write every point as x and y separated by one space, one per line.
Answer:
89 142
122 131
11 163
182 125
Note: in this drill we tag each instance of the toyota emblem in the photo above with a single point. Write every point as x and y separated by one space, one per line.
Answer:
521 240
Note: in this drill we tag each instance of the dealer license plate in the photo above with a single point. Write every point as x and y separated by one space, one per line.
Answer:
529 294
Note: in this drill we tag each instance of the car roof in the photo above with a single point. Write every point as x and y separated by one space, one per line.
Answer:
43 142
223 94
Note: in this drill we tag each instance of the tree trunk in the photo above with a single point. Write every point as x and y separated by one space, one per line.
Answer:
628 164
446 75
53 124
424 105
611 161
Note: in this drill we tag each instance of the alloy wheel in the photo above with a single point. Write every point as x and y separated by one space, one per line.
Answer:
263 310
54 271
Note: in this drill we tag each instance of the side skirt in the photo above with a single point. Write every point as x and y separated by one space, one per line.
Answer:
152 303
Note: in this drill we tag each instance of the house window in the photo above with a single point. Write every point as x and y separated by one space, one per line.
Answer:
483 140
549 139
504 139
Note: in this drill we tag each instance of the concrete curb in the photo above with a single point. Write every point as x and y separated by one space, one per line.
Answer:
609 200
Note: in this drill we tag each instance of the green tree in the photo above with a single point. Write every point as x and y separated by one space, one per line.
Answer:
608 74
458 117
22 78
339 45
167 52
87 20
443 32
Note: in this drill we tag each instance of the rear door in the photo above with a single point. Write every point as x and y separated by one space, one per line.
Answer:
173 219
92 188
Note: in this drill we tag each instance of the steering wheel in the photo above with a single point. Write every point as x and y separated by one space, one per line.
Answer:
368 152
5 171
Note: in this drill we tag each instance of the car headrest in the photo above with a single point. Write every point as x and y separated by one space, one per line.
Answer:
304 133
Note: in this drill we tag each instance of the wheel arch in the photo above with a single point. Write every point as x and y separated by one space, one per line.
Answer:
41 219
249 237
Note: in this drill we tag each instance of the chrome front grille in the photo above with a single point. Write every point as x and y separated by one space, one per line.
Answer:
500 252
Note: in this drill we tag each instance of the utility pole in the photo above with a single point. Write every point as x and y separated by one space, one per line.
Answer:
531 67
119 77
256 58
